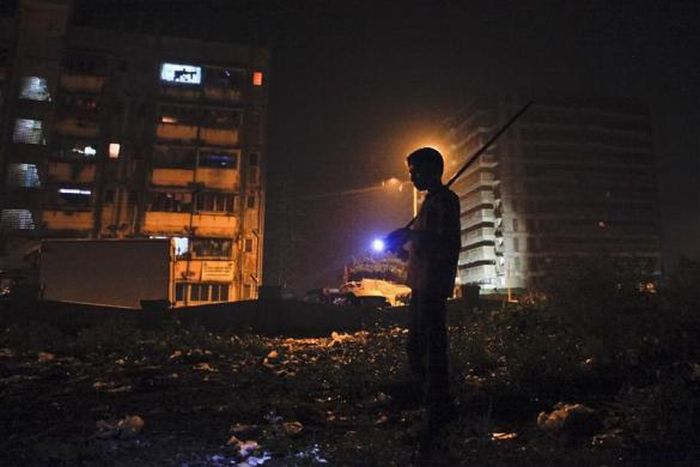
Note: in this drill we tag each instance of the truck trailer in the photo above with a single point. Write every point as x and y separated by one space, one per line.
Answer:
115 272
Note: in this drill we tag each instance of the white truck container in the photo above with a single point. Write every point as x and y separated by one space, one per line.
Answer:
116 273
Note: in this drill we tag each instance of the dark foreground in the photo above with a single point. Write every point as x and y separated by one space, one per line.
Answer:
119 393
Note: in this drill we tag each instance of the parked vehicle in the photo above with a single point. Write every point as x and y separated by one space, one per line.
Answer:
393 293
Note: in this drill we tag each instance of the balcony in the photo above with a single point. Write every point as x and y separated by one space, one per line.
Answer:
67 220
82 83
188 134
222 94
477 217
219 137
78 128
478 235
177 223
223 179
485 197
483 179
483 253
74 173
483 274
174 132
180 93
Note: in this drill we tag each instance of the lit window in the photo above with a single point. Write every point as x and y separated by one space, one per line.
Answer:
28 131
181 245
74 191
20 219
34 89
211 247
114 150
257 78
176 73
219 161
23 175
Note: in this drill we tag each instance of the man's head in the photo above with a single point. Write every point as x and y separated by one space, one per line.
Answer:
425 166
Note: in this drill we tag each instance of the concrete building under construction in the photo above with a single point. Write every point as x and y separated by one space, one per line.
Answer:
571 177
108 134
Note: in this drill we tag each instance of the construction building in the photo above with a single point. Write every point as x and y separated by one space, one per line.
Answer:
113 134
571 177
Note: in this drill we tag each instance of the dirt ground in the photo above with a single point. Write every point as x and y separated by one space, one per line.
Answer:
191 397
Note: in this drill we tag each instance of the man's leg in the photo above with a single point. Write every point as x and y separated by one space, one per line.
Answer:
416 343
437 397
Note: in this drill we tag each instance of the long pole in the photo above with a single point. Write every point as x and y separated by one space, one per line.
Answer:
481 150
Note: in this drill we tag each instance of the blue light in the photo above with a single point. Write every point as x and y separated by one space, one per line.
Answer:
378 245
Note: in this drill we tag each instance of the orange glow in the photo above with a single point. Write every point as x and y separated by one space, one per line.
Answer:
257 78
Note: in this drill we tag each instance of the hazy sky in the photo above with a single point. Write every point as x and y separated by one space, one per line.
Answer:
355 85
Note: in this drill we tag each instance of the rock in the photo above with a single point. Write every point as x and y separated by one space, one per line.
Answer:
45 357
204 366
126 427
569 421
292 428
234 441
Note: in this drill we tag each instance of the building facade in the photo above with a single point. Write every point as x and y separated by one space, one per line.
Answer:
118 135
571 177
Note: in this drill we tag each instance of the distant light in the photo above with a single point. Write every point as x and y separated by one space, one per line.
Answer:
74 191
378 245
168 119
257 78
114 150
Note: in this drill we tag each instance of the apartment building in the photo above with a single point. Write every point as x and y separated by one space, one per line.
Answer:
118 135
571 177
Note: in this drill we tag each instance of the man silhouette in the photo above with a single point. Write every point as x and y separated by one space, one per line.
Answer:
432 248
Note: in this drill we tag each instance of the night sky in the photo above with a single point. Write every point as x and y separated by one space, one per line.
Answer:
356 85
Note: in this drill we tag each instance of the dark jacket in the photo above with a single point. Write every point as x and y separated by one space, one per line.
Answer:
434 250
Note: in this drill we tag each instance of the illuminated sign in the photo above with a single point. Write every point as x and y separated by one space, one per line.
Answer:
176 73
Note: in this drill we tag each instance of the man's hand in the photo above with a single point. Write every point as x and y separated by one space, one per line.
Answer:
396 240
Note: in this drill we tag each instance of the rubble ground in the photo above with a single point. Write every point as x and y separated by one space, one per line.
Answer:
120 394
